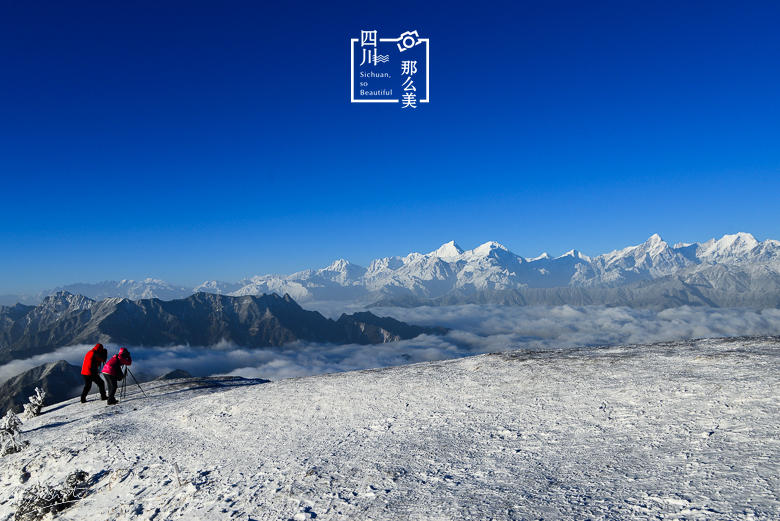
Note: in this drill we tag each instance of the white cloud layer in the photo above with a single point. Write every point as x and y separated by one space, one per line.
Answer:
475 329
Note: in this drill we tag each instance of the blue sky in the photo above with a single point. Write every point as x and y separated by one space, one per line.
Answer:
203 140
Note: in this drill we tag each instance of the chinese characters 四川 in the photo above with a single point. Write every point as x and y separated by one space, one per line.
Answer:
368 44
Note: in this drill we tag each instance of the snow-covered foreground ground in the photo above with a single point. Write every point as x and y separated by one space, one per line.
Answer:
687 430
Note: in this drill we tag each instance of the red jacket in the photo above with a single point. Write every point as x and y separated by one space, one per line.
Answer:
115 363
92 360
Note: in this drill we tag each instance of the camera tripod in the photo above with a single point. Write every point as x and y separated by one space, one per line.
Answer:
123 390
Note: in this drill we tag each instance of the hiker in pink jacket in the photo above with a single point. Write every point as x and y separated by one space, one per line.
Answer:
112 372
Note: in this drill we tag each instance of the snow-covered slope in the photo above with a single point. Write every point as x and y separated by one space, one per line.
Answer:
673 431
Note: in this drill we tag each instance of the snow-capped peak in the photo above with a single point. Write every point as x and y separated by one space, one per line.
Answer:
654 245
340 271
739 241
64 300
652 258
487 248
339 265
575 254
219 287
543 256
148 281
447 251
734 245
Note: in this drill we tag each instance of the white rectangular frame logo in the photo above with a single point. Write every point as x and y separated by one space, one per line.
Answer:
352 99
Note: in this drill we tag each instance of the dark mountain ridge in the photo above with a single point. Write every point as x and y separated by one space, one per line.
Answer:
202 319
59 379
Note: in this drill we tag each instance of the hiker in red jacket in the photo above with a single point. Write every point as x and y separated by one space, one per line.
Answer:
112 372
90 371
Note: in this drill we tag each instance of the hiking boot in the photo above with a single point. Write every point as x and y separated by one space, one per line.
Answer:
83 400
111 402
104 398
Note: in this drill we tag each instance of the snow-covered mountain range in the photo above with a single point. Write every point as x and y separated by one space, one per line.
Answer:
733 270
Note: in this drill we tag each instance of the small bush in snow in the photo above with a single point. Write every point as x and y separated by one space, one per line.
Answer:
40 500
33 408
10 434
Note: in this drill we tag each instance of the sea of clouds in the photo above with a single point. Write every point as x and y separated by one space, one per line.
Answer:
474 329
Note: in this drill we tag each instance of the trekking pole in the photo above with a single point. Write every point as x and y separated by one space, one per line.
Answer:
136 382
123 390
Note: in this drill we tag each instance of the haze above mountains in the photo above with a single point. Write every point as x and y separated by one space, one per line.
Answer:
735 270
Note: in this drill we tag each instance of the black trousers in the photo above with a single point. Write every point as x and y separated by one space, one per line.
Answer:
112 382
88 379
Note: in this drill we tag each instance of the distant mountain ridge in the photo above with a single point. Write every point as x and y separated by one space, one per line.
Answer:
202 319
733 270
59 379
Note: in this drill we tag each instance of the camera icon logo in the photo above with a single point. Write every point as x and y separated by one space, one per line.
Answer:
408 40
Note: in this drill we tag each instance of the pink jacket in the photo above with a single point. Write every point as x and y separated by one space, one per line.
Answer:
115 363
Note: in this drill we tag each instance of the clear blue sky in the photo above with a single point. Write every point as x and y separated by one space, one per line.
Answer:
200 140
